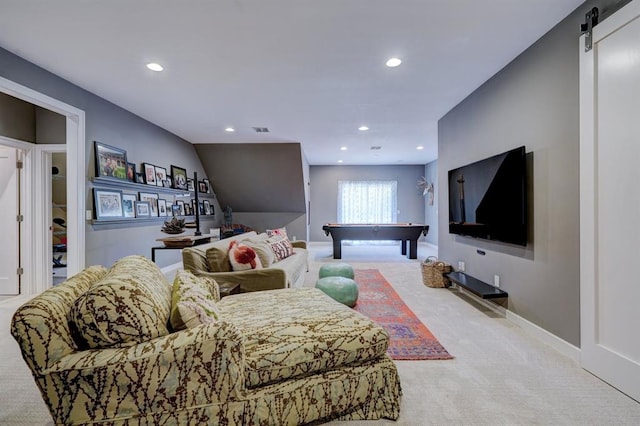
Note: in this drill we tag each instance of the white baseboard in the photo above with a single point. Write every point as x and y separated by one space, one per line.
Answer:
560 345
169 272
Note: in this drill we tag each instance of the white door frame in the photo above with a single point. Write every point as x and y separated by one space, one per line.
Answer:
35 236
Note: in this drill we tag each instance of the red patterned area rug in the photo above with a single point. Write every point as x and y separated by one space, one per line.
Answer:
409 338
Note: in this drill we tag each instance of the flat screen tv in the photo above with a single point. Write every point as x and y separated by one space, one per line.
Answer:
487 199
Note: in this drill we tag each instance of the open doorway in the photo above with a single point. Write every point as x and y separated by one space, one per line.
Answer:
36 240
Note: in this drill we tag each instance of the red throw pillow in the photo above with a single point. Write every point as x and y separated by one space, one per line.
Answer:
243 257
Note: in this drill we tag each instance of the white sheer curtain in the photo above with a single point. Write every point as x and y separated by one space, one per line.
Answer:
369 201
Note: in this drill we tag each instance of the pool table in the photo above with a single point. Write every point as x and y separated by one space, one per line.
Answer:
406 233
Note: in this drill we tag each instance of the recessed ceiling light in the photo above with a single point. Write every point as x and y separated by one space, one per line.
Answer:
419 147
343 148
229 129
363 128
154 67
393 62
339 161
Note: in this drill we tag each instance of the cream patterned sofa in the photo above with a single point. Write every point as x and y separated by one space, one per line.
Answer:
102 350
212 260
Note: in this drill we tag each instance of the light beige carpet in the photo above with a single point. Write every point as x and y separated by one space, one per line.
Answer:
500 374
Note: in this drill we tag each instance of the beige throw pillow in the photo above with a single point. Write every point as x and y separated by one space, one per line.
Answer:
193 301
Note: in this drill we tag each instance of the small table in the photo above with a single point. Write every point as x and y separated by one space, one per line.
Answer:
180 242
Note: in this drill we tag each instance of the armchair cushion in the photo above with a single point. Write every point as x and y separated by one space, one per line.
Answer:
193 301
130 305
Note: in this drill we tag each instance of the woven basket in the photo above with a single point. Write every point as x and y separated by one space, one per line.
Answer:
432 272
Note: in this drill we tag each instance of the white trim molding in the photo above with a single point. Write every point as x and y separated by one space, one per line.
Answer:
76 181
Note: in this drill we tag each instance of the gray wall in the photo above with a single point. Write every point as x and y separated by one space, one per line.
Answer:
431 211
324 192
534 101
110 124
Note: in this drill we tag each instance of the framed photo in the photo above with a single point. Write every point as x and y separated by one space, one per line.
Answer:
162 207
128 205
143 209
187 209
202 186
152 199
190 186
149 171
181 209
175 210
131 172
206 181
179 177
167 182
139 177
161 175
207 207
108 204
111 162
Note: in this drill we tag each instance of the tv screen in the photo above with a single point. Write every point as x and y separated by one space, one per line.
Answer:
487 198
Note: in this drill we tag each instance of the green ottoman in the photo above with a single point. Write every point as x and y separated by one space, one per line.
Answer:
344 290
336 270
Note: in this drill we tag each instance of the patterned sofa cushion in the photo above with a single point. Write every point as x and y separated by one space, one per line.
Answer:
130 305
297 332
193 301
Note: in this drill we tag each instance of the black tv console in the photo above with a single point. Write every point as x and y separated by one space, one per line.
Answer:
475 286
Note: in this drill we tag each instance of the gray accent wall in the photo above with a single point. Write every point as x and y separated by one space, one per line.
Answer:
110 124
324 192
533 101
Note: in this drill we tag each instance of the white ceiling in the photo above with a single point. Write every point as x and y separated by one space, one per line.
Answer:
310 71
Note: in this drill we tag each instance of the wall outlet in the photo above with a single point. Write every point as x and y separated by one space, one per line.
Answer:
460 266
293 238
496 280
88 215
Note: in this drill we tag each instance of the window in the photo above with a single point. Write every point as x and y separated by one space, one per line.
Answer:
372 201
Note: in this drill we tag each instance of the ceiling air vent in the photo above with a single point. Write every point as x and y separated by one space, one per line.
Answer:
376 148
261 129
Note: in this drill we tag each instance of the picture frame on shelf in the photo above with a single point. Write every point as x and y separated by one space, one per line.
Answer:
206 181
131 172
162 207
175 210
202 187
168 182
152 199
149 171
139 177
181 209
143 209
111 162
187 209
179 177
128 205
190 185
161 175
107 203
207 207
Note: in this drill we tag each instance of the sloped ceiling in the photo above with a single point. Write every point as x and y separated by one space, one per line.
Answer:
255 177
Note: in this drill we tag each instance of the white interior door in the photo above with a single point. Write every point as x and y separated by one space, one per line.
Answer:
610 201
9 210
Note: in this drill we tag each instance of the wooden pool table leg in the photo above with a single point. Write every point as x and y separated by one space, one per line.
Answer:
403 247
413 248
337 249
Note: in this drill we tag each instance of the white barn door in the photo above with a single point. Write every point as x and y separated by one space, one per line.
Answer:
610 201
9 244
